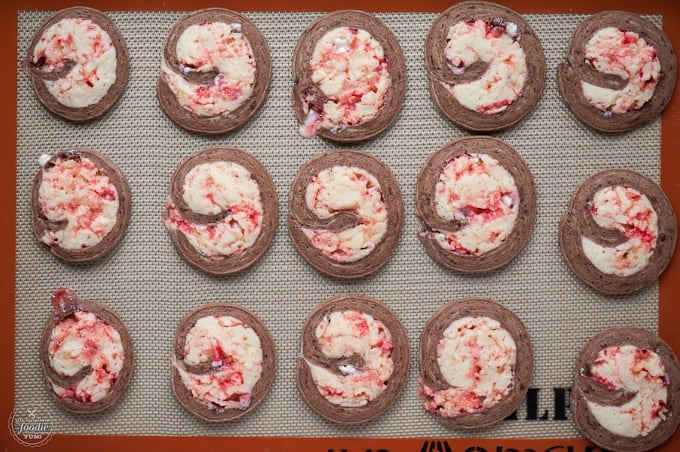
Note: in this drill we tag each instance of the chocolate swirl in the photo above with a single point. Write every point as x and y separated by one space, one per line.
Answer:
307 94
577 222
311 353
585 389
224 123
578 69
66 303
431 375
204 410
426 211
302 217
223 265
41 224
440 73
38 76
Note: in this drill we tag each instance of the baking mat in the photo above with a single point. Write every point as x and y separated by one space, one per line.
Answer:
152 289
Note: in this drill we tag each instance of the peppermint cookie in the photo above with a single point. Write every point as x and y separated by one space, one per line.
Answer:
79 64
223 362
222 210
215 72
81 204
626 385
620 71
346 213
355 359
619 232
349 77
485 64
86 354
476 201
476 363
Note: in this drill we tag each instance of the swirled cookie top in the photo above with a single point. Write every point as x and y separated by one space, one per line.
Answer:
350 68
627 55
213 47
234 352
83 340
477 191
76 192
476 357
343 334
214 188
346 188
633 370
630 212
498 46
83 43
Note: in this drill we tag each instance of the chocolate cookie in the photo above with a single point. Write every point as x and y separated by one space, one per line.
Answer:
242 218
95 329
378 191
434 226
594 389
431 373
581 68
488 112
578 223
393 346
84 99
77 218
214 122
231 365
309 97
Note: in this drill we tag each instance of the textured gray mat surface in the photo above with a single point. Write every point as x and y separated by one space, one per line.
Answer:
152 289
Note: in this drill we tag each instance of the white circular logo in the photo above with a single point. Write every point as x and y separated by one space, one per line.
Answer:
31 424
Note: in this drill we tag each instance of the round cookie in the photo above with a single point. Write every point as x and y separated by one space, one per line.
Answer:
578 69
50 222
308 96
65 388
312 355
179 216
578 222
34 64
227 121
588 388
345 218
207 410
431 373
433 224
443 75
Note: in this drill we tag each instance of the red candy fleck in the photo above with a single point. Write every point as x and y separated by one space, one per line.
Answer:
230 92
629 38
332 392
252 214
69 393
221 357
107 194
359 322
90 348
489 107
602 381
59 297
660 410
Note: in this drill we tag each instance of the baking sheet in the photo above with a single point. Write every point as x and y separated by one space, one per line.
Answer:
151 288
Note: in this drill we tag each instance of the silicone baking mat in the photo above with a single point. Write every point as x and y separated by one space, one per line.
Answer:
152 288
